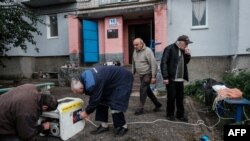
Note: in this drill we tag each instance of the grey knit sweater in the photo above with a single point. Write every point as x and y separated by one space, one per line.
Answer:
144 62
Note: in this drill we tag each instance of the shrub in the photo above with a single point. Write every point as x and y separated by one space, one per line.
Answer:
239 79
195 89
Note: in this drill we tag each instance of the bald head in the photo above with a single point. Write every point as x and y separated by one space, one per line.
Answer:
138 44
76 86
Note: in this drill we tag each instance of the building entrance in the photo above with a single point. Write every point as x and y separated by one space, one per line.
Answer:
143 31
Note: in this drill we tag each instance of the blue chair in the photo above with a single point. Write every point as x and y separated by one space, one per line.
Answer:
239 103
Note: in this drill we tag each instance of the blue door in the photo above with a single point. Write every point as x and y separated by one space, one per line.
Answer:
90 42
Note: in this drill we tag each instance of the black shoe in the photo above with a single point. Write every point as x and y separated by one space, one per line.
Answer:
99 130
172 118
120 131
157 108
183 118
139 112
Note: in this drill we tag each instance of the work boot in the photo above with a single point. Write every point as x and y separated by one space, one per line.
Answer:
183 118
120 131
99 130
139 111
157 108
172 118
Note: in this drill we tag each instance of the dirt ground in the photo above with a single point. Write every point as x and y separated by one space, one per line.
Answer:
150 126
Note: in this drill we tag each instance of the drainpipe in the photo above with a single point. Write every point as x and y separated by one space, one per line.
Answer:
235 31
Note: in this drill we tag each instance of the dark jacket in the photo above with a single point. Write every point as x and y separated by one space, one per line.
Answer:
169 62
108 85
20 110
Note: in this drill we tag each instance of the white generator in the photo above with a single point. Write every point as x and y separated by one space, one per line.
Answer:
65 120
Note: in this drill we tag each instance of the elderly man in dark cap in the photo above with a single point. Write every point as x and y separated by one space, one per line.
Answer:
174 71
20 111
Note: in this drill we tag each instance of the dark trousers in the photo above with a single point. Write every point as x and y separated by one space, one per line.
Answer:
102 115
9 139
145 91
175 97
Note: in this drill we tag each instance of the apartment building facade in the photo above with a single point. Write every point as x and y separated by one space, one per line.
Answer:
86 32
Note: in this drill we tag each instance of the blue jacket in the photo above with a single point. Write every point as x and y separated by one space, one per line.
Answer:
108 85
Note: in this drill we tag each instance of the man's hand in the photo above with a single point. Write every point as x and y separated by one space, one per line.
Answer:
166 81
84 115
46 125
187 50
153 80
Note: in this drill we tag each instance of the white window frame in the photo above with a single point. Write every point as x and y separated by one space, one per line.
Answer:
201 26
48 27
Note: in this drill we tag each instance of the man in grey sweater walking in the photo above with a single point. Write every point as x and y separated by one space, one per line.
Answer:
145 65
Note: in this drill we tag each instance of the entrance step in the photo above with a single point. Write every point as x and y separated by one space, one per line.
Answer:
137 83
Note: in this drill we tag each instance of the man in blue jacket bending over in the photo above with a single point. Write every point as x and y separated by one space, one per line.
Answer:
108 87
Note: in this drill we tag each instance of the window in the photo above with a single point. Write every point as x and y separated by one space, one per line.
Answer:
52 30
199 13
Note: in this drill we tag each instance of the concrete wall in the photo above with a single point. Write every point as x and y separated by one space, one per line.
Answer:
17 67
208 67
214 67
50 64
23 67
241 62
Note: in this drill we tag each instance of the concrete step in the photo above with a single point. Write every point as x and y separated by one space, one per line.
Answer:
137 83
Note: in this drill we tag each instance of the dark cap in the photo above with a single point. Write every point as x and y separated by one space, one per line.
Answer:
49 101
184 38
